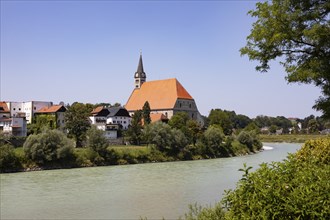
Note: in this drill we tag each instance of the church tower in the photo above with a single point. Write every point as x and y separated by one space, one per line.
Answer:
140 75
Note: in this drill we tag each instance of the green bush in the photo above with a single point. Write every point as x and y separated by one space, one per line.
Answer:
197 212
297 188
49 148
8 160
97 141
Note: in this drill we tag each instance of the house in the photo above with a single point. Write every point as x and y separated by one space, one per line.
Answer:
16 126
26 108
119 116
165 97
110 120
54 115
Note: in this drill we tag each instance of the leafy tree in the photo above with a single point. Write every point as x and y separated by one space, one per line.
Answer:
8 159
221 118
167 140
297 31
241 121
213 138
97 141
179 120
77 122
272 129
146 113
313 126
134 132
48 147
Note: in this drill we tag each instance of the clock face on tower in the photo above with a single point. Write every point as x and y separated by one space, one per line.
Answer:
136 75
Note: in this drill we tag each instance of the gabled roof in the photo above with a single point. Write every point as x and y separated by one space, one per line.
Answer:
52 109
100 111
161 94
158 117
4 108
118 111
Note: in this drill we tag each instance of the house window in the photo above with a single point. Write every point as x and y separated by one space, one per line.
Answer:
35 108
189 105
180 105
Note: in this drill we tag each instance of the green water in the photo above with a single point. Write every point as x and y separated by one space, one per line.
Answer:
125 192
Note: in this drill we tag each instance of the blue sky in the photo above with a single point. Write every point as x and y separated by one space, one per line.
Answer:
88 51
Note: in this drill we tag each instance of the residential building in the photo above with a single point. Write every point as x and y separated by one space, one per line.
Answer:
27 108
164 96
15 126
110 120
53 115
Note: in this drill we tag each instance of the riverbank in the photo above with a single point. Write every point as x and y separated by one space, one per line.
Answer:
290 138
17 160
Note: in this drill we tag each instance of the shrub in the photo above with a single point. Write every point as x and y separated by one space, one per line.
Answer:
197 212
297 188
8 160
97 141
49 147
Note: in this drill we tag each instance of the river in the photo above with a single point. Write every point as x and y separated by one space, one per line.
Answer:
153 190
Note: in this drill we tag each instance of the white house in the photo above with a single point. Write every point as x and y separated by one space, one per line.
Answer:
11 125
110 120
119 116
26 108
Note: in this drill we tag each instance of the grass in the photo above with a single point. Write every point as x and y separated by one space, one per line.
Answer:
290 138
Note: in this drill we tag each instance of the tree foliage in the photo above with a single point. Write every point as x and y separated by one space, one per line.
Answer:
146 113
166 139
134 132
77 123
48 147
297 32
97 141
297 188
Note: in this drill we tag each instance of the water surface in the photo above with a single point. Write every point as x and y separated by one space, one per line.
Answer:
153 190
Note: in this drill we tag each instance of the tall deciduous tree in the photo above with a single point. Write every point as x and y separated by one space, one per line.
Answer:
297 32
77 121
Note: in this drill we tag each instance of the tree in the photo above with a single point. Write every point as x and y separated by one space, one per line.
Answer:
97 141
134 132
77 121
146 113
297 32
313 126
166 139
179 120
48 147
221 118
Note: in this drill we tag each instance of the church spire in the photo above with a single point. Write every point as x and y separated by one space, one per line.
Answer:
140 75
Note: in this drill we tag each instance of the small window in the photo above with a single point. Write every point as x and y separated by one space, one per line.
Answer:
19 109
14 109
189 105
35 108
180 105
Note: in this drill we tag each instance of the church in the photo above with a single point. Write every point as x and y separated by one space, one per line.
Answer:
166 97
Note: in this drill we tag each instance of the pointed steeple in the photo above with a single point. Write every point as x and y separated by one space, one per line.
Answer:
140 75
140 66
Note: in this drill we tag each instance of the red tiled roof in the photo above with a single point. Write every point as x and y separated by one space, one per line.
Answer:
51 109
161 94
97 110
158 117
4 108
